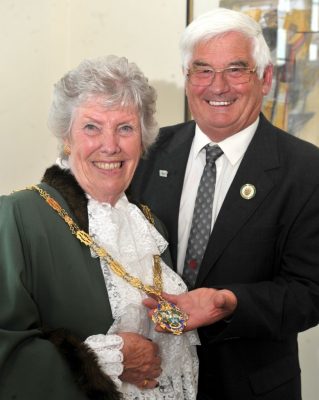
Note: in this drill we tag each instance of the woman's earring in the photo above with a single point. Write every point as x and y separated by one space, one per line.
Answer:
66 150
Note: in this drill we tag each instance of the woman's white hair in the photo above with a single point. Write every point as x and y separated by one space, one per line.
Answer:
218 22
116 83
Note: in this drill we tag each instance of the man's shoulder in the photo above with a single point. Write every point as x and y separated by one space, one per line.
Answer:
298 148
167 133
291 146
177 127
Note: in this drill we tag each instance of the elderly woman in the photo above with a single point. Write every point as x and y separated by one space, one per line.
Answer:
77 258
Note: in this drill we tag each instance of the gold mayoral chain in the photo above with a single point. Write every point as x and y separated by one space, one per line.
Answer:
167 315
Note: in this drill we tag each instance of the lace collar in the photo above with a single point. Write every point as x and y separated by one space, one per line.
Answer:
124 231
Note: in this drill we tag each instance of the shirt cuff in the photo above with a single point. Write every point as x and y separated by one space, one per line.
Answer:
109 355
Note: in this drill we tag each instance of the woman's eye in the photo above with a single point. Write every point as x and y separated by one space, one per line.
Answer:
126 129
91 128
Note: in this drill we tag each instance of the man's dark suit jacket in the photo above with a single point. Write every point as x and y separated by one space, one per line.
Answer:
265 249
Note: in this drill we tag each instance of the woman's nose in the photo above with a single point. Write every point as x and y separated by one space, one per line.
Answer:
110 143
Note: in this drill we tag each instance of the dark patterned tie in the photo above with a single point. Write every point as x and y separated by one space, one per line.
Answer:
202 217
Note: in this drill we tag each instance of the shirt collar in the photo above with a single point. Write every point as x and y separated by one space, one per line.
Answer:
234 147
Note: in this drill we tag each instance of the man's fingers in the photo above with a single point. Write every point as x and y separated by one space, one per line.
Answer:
150 303
220 299
226 300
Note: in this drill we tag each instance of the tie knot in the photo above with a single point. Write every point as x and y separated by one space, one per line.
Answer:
212 153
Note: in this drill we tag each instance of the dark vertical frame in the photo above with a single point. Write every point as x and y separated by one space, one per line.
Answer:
189 18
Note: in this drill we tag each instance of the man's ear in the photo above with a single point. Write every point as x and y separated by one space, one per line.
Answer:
267 79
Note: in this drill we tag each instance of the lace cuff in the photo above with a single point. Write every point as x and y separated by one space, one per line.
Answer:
108 351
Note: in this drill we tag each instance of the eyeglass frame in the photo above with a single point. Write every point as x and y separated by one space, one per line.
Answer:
249 70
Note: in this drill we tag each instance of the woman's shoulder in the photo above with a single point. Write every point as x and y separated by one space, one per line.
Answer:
18 197
26 195
27 205
17 208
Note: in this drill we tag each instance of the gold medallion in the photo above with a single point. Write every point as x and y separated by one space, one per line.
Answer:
248 191
170 317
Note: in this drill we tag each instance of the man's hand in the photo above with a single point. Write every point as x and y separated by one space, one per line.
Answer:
142 364
204 306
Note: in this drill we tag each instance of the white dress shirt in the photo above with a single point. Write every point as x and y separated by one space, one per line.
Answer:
234 148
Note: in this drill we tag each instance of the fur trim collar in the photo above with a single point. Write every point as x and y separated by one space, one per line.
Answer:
65 183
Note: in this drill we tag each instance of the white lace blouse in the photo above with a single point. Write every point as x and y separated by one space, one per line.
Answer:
132 240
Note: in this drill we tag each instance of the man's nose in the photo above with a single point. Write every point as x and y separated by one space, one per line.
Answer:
219 82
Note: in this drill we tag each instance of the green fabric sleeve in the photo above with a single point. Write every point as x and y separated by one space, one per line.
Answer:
39 287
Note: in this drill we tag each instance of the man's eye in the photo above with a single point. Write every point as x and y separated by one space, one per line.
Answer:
204 71
234 70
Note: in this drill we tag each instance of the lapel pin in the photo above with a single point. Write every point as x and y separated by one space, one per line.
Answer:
248 191
163 173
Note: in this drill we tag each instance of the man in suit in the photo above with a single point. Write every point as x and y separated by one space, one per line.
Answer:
257 284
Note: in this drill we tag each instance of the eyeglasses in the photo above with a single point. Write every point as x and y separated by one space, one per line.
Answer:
204 76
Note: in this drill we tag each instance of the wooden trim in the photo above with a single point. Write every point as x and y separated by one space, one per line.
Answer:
189 19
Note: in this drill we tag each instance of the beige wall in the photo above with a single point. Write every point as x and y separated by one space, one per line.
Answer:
41 39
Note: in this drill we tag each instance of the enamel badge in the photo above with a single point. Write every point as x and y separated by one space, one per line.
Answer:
163 173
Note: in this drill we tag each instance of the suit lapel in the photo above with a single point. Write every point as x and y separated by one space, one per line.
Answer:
173 160
260 157
159 178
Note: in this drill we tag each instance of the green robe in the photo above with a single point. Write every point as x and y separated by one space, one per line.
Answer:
48 279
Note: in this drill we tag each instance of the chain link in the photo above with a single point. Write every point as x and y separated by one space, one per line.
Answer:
116 267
